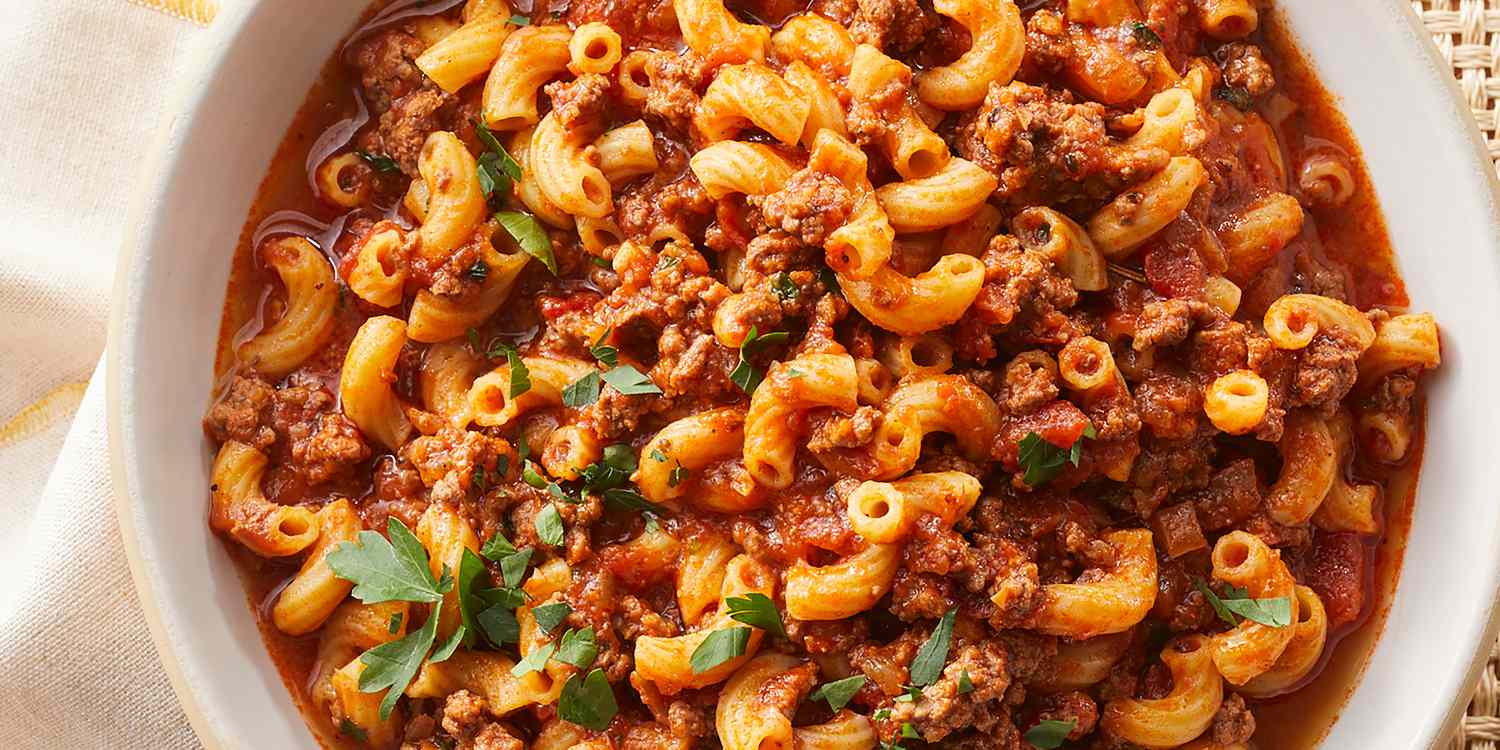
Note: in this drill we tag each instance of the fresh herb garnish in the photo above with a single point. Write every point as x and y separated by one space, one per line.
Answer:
612 470
519 20
1236 96
606 354
391 666
1145 35
505 596
630 381
578 648
1049 734
549 526
534 661
839 692
353 731
582 392
470 568
628 499
394 626
756 609
830 280
720 646
379 162
745 375
912 694
678 474
1043 461
786 290
498 171
1236 603
446 648
549 616
927 665
388 570
520 374
965 685
499 624
479 271
530 235
909 732
657 455
588 701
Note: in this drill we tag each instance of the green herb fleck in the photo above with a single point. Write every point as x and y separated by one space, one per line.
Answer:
745 375
927 665
720 646
839 692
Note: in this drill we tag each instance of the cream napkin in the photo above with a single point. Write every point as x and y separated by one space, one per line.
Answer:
84 83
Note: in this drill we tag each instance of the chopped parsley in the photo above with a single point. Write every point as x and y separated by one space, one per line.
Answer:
394 626
582 392
1236 96
379 162
1145 36
606 354
965 685
519 20
384 570
549 616
839 692
745 375
588 701
927 665
786 290
534 661
353 731
720 646
756 609
391 666
1043 461
678 474
578 648
446 648
549 526
1236 603
529 235
498 171
627 499
1050 734
630 381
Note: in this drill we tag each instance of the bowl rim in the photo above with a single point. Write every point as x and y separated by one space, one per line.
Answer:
203 61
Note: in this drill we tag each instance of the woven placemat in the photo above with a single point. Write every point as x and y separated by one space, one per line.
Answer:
1467 34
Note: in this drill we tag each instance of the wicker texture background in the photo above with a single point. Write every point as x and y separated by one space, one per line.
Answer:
1467 34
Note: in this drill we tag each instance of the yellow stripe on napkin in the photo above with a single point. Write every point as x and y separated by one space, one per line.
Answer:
57 405
200 12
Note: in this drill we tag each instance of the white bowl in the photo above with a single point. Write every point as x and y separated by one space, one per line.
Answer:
250 74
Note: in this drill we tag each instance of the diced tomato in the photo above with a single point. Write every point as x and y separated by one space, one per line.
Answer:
1336 572
1174 270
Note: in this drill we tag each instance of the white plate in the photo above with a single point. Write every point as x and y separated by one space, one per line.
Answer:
248 78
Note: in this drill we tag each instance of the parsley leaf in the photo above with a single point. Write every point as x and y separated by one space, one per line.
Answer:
839 692
379 162
394 626
912 694
506 596
927 665
530 235
1236 96
965 685
549 616
1049 734
513 566
630 381
470 568
531 476
786 289
612 470
606 354
627 499
583 391
385 570
353 731
909 732
534 661
1236 603
446 648
549 525
497 548
499 625
657 455
588 701
756 609
745 375
578 648
391 666
520 20
1145 36
520 374
508 165
1043 461
720 646
678 475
